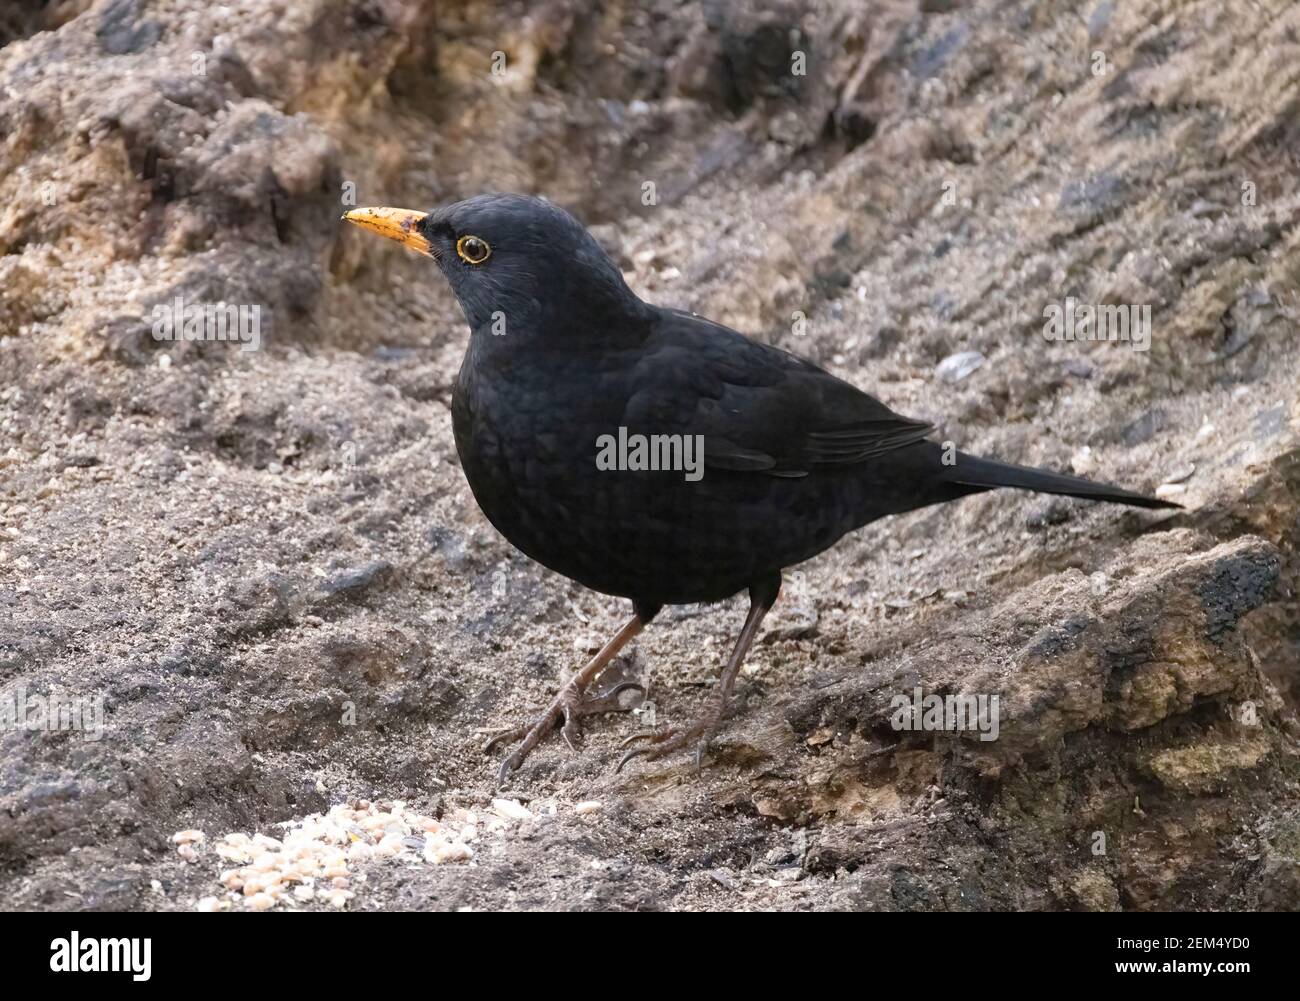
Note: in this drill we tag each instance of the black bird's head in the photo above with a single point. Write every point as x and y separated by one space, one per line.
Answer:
517 264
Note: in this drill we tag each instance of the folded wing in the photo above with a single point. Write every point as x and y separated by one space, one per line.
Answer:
760 409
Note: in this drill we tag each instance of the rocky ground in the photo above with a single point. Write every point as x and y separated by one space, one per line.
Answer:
269 568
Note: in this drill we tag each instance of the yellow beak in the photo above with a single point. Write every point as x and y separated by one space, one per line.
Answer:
396 224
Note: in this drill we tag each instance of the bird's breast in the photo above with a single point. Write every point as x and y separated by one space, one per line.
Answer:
531 451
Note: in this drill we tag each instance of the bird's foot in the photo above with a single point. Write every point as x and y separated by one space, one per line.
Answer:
665 742
565 711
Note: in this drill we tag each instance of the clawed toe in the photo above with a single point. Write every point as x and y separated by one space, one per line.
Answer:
510 764
653 736
504 736
565 711
649 753
661 744
609 702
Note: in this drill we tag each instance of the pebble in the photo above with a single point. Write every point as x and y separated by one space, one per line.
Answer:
723 879
957 367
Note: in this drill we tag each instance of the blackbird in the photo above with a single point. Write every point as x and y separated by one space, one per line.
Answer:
655 455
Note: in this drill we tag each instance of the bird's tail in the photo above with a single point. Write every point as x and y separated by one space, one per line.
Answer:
986 474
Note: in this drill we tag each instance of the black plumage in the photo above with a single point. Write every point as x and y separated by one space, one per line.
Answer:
562 352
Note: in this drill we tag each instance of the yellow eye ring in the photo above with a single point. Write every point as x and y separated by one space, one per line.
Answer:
473 249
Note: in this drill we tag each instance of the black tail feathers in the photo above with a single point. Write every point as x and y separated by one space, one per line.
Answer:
972 471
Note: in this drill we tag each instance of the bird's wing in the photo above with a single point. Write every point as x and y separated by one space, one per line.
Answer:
759 409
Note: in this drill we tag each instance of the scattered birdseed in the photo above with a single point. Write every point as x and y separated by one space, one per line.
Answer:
512 809
447 851
318 857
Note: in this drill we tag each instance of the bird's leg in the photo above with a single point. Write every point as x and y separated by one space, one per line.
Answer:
574 708
761 598
568 706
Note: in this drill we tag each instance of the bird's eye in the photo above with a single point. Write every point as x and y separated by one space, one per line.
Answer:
472 250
